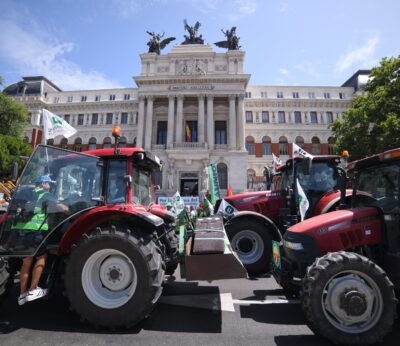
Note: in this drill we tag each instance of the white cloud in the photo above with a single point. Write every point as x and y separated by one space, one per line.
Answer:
359 56
125 8
308 68
284 71
35 53
242 8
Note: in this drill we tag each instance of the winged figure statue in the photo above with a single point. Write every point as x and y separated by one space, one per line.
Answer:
156 43
193 38
231 42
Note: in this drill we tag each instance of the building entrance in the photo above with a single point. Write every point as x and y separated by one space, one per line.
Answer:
189 187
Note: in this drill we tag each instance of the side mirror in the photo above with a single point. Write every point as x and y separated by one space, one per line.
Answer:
157 187
14 171
306 165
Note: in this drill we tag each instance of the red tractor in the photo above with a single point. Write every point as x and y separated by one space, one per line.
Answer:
262 215
348 261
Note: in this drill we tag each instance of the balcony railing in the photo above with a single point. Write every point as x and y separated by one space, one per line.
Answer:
158 146
190 145
221 146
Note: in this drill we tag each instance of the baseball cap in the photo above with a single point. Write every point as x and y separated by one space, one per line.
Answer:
44 179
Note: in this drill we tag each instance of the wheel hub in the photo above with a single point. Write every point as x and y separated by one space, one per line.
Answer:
115 273
245 245
353 303
249 246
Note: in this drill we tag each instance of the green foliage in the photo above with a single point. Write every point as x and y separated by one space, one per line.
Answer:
372 124
11 149
13 117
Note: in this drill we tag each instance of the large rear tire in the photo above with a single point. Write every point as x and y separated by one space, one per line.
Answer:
7 274
114 277
252 242
172 253
348 299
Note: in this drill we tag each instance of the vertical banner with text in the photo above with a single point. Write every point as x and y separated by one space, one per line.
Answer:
214 183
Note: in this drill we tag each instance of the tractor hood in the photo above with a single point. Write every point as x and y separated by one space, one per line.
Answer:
340 230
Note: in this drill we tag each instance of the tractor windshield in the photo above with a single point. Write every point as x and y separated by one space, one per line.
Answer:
378 186
142 187
54 185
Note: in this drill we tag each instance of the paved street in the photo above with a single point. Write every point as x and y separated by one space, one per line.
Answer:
228 312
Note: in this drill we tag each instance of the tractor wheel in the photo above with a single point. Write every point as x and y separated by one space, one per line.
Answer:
7 273
173 253
252 243
348 299
113 277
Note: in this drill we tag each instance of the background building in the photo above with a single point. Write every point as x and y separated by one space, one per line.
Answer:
191 107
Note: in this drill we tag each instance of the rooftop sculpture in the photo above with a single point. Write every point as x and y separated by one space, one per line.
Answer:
232 41
155 44
193 38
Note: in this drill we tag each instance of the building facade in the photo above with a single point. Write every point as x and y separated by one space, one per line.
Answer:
191 107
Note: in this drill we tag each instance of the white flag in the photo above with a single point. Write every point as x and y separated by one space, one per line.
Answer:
299 152
177 203
276 161
54 126
226 208
303 201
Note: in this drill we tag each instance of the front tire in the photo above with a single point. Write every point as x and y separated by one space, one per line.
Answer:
252 242
114 277
348 299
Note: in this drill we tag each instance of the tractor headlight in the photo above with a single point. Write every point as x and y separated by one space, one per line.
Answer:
293 246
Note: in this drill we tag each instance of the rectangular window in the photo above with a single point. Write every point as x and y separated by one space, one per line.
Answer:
313 118
97 98
279 94
297 117
247 94
267 149
327 95
220 132
70 98
249 117
264 94
56 100
83 98
81 119
296 95
265 117
281 117
329 117
311 95
250 148
162 132
127 97
67 118
191 131
112 97
95 119
342 96
124 118
109 119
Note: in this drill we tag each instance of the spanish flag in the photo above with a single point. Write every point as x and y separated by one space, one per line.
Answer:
188 133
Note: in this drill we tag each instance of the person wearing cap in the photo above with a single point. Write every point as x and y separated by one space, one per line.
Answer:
33 232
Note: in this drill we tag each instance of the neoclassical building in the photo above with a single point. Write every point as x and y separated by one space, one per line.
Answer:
191 107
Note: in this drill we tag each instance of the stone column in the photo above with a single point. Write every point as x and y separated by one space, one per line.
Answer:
149 123
140 127
232 122
179 120
241 123
201 119
171 116
210 121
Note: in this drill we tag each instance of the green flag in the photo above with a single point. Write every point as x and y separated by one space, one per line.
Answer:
214 183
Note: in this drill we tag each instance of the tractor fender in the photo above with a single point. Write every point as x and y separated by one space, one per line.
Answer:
88 222
327 201
272 228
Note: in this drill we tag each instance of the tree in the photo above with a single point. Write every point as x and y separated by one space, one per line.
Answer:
10 150
13 117
372 124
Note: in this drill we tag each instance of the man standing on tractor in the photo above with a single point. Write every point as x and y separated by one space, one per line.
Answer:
32 233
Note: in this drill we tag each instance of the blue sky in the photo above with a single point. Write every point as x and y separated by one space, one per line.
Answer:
91 44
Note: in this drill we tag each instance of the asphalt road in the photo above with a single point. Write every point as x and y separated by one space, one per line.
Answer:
228 312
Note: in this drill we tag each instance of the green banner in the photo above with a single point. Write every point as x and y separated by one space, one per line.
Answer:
214 183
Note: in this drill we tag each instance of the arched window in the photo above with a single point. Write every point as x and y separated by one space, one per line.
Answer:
331 142
78 144
300 141
107 143
251 176
222 175
266 141
250 145
50 141
283 146
92 143
315 146
64 143
122 142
